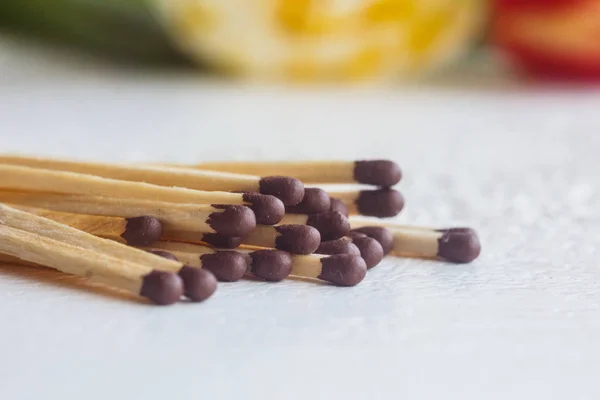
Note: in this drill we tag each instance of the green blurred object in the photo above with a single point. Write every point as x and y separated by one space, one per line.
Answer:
122 30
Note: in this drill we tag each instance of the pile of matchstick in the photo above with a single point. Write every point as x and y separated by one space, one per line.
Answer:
171 232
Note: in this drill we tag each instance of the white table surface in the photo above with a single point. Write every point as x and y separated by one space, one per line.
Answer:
521 165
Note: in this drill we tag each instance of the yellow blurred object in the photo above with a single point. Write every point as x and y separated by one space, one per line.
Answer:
324 40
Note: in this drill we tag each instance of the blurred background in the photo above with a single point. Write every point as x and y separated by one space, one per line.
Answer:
314 41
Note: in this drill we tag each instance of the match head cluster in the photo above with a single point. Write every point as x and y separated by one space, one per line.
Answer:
173 232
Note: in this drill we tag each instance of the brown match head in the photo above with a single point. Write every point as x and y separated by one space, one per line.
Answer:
287 189
382 235
233 220
163 254
339 246
271 265
370 250
382 173
339 206
459 245
331 225
226 266
315 201
162 288
297 239
142 231
343 269
380 203
199 284
222 241
268 210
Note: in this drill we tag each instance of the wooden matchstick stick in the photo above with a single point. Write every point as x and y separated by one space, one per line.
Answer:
362 245
289 190
229 220
137 231
226 265
458 245
296 239
341 269
380 203
197 285
331 225
273 266
382 173
18 178
160 287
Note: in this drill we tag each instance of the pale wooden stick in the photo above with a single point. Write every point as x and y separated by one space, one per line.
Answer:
331 225
380 203
341 269
373 172
296 239
228 266
459 245
53 230
359 222
229 220
160 288
44 180
137 231
291 190
163 284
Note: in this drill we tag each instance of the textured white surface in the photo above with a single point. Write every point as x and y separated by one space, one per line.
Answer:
519 165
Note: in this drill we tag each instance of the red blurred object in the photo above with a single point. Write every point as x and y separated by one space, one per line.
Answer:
550 38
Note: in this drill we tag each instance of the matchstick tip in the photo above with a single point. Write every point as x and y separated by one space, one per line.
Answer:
234 220
343 269
222 241
459 245
339 206
226 266
370 250
162 288
315 201
268 210
297 239
339 246
142 231
199 283
379 233
331 225
382 203
163 254
383 173
271 265
289 190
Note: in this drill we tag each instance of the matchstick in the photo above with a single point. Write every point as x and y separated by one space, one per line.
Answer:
331 225
137 231
362 245
160 287
226 266
289 190
382 173
340 269
18 178
213 239
197 285
295 239
315 201
272 266
380 203
457 245
228 220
